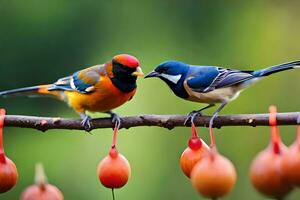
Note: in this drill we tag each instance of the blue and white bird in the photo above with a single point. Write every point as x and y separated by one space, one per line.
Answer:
211 84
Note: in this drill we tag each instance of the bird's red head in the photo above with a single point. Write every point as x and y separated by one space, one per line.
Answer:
127 60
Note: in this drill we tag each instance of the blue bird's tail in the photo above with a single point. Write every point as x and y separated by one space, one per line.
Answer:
277 68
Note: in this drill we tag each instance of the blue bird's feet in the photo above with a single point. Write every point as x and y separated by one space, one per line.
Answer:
191 116
86 122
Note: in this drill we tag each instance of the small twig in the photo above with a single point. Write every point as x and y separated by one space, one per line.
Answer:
166 121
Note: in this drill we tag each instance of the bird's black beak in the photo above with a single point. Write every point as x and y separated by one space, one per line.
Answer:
152 74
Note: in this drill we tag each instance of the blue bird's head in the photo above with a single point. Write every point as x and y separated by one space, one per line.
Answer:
173 73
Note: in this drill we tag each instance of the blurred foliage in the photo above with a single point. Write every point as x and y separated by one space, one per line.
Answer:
41 41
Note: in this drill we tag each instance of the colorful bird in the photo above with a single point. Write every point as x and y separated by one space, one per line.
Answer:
210 84
99 88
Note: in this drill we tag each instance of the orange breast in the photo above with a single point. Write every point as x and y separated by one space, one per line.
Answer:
104 98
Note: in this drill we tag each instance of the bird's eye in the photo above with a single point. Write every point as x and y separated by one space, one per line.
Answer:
163 70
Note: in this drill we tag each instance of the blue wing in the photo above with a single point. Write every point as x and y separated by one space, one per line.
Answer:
81 81
201 77
208 78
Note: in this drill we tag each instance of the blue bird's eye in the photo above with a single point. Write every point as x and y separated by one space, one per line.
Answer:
162 70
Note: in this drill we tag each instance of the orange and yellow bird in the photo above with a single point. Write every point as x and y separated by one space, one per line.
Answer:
99 88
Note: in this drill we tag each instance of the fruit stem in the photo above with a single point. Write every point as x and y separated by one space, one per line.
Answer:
194 131
275 136
213 152
40 177
212 138
115 137
2 153
113 193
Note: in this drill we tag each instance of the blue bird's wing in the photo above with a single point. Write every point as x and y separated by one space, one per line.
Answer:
205 78
82 81
231 77
201 77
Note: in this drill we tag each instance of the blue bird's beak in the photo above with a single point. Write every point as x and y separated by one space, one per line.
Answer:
152 74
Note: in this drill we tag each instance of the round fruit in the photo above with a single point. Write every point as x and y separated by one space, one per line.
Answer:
114 170
191 156
266 174
8 174
214 176
46 192
291 164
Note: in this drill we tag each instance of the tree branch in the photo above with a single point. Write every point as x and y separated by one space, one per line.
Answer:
166 121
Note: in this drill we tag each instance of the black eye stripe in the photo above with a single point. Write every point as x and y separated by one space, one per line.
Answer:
123 78
118 67
163 70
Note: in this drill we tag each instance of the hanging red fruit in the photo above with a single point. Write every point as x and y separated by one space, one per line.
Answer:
195 151
8 170
114 170
42 190
265 173
291 161
213 176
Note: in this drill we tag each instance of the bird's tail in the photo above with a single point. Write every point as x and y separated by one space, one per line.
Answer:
40 90
277 68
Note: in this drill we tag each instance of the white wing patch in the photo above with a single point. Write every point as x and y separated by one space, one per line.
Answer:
172 78
72 84
90 89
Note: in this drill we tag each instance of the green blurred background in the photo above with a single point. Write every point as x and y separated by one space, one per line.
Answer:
41 41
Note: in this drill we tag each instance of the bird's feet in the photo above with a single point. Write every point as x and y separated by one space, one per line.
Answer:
86 122
191 116
115 118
